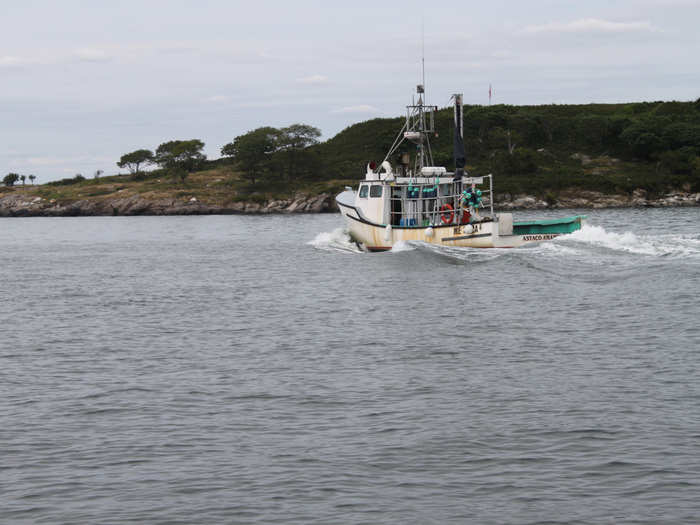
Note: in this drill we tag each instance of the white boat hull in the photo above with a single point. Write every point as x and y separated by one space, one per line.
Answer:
377 237
482 235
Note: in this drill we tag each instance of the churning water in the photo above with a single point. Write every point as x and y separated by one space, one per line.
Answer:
238 369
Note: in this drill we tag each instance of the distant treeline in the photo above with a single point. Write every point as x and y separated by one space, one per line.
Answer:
657 145
605 147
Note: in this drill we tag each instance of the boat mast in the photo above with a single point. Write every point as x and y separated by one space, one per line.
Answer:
420 123
420 160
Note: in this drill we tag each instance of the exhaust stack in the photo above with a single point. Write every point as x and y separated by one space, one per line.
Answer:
459 152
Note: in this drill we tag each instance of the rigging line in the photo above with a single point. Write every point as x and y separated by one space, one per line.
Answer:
430 152
398 140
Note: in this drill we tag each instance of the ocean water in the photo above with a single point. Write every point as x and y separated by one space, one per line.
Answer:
239 369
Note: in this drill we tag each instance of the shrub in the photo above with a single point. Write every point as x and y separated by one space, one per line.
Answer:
67 182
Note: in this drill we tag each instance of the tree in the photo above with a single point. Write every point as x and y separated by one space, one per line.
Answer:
251 150
681 161
499 137
23 178
680 134
293 140
180 157
298 136
98 174
647 145
10 179
522 161
32 178
132 161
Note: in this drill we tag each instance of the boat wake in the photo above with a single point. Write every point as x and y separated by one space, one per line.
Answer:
658 245
404 246
590 246
336 241
582 244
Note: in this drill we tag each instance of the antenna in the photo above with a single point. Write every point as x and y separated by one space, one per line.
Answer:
422 30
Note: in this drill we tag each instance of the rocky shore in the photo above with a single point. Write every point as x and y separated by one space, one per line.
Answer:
19 205
23 205
591 199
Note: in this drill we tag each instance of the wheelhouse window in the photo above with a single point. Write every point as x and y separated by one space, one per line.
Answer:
375 191
363 191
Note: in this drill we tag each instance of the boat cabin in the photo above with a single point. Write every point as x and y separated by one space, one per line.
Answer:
417 202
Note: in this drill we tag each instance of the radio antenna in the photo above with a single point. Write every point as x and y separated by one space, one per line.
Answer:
422 30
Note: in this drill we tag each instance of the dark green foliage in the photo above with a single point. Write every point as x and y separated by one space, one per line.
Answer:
522 161
681 134
346 154
10 179
287 151
251 151
297 137
681 161
292 144
132 161
180 157
647 145
654 144
67 182
651 145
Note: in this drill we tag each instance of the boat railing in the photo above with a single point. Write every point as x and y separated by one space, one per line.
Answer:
430 204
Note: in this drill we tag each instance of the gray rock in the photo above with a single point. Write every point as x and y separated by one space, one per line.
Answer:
524 202
318 204
585 159
296 204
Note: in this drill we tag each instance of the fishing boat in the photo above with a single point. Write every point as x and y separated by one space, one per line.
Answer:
414 200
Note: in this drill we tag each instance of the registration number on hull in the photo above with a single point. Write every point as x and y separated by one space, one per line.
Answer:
540 237
459 230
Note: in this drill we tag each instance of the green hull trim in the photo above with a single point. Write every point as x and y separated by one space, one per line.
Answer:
567 225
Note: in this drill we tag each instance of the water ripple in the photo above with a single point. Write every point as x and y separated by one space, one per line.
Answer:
255 370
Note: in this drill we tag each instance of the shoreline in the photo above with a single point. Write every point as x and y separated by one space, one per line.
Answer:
20 205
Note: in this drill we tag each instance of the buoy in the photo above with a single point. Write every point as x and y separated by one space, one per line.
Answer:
468 229
429 232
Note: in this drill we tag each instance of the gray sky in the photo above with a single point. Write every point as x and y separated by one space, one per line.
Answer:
82 82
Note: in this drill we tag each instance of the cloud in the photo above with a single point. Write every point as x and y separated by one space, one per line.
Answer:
362 108
91 55
313 79
217 99
590 25
10 62
39 58
173 47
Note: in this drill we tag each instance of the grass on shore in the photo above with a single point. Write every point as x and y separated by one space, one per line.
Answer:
217 186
